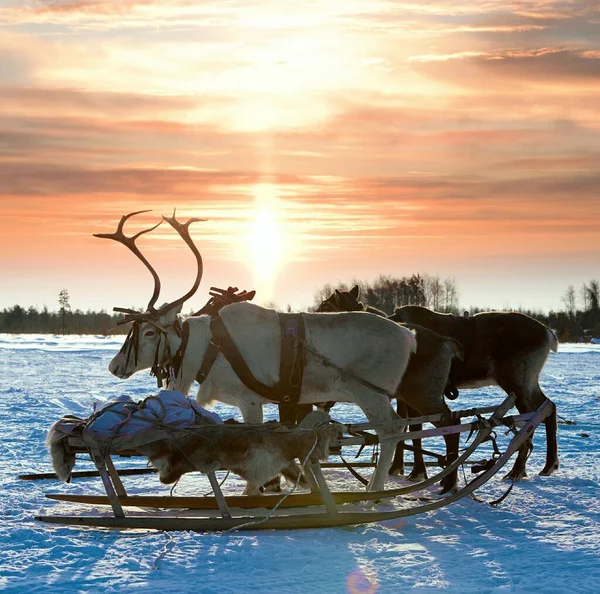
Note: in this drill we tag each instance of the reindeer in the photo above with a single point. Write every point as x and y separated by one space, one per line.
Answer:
507 349
348 356
421 391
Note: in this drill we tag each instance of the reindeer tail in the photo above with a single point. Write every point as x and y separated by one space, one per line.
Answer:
456 347
412 340
553 341
62 461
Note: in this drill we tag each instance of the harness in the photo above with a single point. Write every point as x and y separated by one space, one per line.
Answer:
292 359
293 351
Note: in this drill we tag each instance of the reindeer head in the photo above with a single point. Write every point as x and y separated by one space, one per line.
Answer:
342 301
147 345
417 314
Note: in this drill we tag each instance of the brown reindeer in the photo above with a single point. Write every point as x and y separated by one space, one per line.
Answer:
421 391
507 349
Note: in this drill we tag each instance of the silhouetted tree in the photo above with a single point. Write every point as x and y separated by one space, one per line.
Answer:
593 292
65 307
569 301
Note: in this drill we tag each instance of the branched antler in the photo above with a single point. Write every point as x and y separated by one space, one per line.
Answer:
129 242
221 297
183 229
184 232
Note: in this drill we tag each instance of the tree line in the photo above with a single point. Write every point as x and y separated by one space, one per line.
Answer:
578 321
386 292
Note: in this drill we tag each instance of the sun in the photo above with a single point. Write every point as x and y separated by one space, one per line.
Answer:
265 239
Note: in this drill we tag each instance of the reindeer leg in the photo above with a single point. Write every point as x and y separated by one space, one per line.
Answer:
449 482
397 466
291 414
552 462
419 471
518 470
377 409
528 399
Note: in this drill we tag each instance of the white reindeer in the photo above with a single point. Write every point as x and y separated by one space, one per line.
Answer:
350 357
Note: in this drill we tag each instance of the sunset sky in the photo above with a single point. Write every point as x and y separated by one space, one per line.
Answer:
324 140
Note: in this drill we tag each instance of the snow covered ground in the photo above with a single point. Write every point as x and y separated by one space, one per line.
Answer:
544 537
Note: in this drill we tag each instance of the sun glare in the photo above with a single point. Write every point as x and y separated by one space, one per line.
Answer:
265 240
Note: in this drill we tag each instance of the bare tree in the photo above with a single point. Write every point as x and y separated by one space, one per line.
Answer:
65 307
570 302
585 300
434 290
593 292
450 295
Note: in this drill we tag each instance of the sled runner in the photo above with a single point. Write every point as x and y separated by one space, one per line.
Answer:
332 508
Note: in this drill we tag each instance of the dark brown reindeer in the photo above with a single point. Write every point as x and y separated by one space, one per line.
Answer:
507 349
421 391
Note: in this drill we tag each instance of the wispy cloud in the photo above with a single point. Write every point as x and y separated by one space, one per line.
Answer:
394 136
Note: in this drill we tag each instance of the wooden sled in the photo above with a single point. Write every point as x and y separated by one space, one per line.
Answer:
329 516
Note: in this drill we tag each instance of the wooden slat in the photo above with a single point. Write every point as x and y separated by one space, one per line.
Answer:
233 501
438 431
85 474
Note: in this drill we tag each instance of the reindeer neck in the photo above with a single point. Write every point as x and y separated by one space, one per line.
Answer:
195 336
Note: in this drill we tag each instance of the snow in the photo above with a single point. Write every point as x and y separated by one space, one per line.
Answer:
544 537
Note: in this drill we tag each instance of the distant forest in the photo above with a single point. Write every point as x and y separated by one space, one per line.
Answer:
578 321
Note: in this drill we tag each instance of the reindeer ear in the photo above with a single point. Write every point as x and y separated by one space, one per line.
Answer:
170 315
354 292
337 292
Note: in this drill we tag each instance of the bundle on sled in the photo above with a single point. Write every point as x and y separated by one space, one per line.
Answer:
179 436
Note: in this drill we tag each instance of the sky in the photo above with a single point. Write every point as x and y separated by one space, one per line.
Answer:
323 142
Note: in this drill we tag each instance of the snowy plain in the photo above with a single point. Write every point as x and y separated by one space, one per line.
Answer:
545 537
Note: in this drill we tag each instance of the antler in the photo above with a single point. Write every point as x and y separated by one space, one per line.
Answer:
130 243
221 297
184 232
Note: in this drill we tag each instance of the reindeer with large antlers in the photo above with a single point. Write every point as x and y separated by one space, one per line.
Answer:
236 356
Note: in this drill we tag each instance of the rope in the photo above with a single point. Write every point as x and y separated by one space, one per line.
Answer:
565 421
345 373
568 422
164 551
220 484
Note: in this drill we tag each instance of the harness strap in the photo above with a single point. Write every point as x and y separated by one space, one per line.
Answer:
293 360
178 358
214 347
287 388
222 341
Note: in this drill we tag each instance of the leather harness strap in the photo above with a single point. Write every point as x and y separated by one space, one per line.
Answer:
178 358
292 361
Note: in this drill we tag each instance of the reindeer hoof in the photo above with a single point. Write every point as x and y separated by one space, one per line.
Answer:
448 488
417 477
399 471
549 469
272 486
515 475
